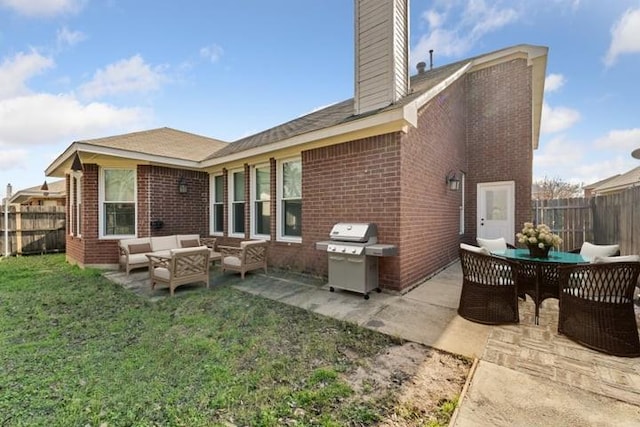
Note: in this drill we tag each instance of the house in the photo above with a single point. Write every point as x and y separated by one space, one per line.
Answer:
48 194
386 156
614 184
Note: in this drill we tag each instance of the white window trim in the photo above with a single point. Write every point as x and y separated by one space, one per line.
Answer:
231 189
72 201
462 186
254 199
78 202
212 197
101 234
279 213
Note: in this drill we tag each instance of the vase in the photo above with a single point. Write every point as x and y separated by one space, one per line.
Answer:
537 252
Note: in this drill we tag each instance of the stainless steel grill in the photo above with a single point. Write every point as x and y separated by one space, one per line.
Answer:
353 257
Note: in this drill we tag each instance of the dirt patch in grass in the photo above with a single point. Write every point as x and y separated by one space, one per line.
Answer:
425 383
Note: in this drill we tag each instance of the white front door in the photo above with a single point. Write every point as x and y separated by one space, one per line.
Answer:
496 210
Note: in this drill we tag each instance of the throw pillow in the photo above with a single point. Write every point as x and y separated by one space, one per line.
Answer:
140 248
191 243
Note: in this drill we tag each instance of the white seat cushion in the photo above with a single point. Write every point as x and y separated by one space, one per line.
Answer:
493 245
162 273
187 250
138 259
475 249
232 261
589 250
608 259
164 243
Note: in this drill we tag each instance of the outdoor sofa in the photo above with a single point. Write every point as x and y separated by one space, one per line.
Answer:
133 252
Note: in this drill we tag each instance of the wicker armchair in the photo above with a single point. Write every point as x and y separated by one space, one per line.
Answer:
251 255
596 306
488 289
188 265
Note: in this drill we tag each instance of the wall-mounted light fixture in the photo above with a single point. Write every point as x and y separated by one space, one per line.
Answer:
45 189
452 180
182 185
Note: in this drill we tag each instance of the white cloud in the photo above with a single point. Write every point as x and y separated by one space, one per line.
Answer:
43 7
41 119
131 75
212 53
557 119
620 139
554 82
16 71
13 159
557 153
456 27
625 36
65 37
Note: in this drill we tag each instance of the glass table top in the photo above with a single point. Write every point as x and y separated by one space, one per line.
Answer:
554 256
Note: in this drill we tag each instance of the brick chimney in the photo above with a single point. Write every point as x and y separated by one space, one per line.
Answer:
382 53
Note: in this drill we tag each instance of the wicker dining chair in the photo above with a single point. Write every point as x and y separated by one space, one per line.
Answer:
488 288
596 306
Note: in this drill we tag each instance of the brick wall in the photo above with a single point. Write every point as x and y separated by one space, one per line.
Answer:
358 181
499 135
429 219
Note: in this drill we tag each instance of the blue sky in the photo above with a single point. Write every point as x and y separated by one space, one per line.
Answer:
79 69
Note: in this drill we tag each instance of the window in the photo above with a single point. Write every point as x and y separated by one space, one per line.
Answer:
217 210
77 180
118 194
261 196
290 194
236 193
462 185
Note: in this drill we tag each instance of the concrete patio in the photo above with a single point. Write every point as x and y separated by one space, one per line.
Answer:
526 374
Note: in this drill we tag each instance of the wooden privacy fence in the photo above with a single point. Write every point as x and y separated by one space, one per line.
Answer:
601 220
33 229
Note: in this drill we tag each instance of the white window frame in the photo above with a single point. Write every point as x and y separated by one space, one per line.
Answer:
101 203
254 199
231 191
77 177
212 197
462 187
279 208
72 201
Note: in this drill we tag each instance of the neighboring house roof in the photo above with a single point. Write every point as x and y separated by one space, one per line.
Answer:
56 190
334 124
616 183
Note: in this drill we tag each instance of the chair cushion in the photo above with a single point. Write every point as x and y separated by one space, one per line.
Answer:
164 243
138 259
140 248
162 273
190 243
187 250
608 259
589 250
251 242
475 249
493 245
232 261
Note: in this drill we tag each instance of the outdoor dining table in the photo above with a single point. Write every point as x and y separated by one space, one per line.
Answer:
538 277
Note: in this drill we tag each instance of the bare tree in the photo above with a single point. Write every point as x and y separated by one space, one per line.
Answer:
555 188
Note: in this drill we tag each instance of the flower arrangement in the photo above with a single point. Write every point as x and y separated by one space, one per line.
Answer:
538 235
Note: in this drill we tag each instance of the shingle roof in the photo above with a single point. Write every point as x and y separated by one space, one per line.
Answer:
619 182
335 114
164 141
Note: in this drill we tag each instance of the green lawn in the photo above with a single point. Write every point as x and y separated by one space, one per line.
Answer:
77 350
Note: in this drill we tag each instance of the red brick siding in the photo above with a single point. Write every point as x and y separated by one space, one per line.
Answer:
429 218
358 181
180 213
499 135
